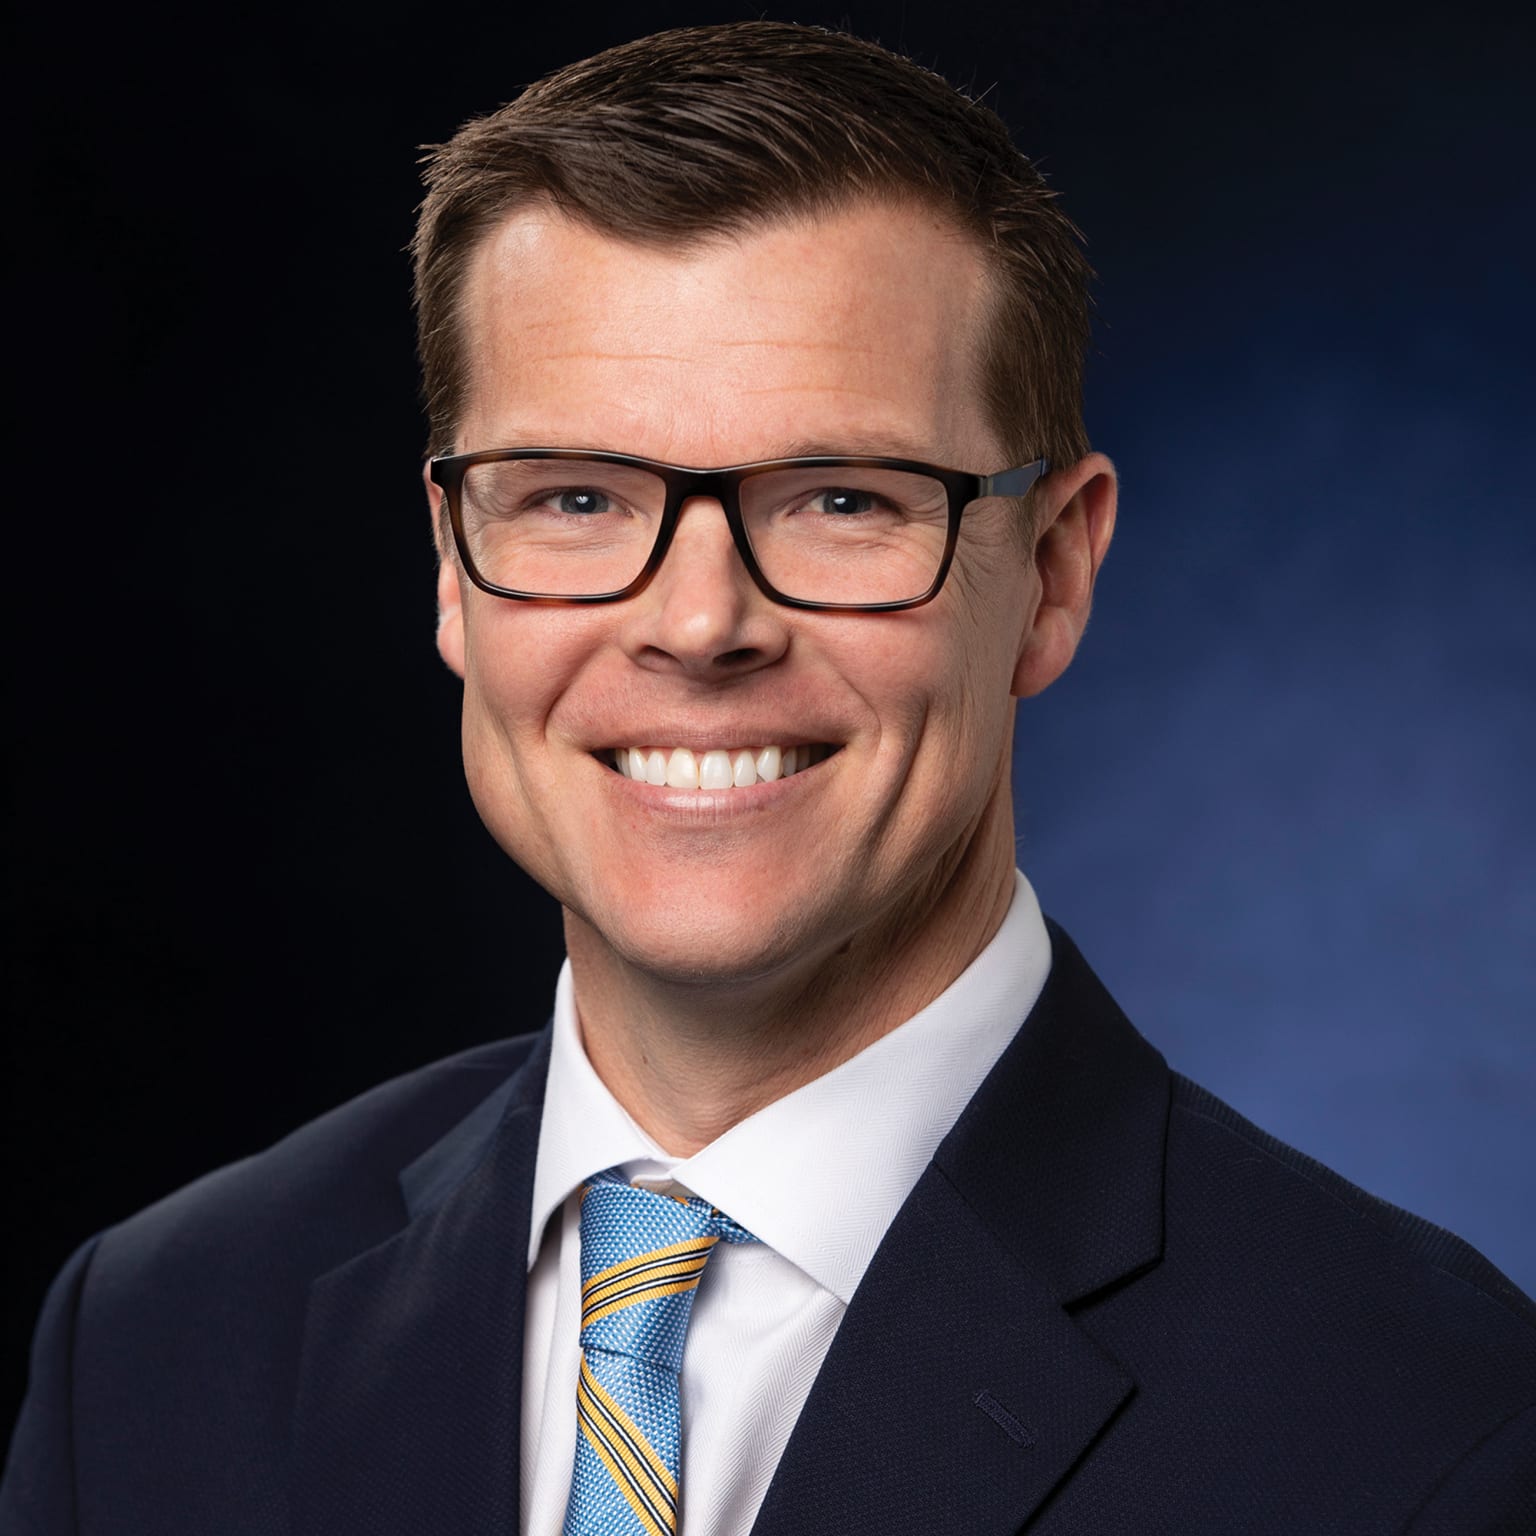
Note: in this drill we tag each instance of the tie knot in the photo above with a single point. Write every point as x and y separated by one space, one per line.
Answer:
642 1255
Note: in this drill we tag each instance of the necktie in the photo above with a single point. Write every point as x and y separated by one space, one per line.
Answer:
642 1255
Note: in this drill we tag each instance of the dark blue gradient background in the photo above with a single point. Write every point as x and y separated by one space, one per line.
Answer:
1282 799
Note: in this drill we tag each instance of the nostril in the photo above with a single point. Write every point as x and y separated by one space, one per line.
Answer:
743 655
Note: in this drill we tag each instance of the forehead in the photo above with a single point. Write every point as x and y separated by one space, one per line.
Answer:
858 330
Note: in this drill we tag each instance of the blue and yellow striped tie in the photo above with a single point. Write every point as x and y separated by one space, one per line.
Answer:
641 1258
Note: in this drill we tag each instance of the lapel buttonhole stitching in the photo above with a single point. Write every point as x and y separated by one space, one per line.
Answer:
1019 1433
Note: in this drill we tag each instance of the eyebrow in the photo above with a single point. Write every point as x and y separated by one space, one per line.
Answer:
857 445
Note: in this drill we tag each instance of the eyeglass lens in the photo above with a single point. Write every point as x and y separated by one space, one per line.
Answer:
578 528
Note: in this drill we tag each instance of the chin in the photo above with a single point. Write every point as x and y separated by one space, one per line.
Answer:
716 947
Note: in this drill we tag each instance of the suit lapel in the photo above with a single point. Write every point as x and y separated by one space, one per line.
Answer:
959 1390
410 1393
955 1395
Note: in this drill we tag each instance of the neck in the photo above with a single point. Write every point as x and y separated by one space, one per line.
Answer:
687 1063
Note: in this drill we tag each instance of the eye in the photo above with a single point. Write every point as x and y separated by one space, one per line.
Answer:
581 501
843 501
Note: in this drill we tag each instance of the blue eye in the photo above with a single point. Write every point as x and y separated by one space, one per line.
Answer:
843 502
582 503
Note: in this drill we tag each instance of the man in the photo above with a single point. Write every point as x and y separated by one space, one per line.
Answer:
838 1195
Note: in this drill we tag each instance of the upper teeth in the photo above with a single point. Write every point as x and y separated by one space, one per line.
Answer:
679 768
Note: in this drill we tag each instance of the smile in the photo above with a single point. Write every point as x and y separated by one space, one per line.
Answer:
720 768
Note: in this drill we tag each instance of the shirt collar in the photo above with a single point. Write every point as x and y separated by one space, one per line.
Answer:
584 1129
821 1173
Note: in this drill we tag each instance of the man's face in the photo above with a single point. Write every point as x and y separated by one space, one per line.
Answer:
853 334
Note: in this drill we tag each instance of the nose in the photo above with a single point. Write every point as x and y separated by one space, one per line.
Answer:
702 615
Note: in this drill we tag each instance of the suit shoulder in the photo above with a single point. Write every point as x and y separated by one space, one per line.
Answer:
326 1188
1271 1184
168 1359
1368 1352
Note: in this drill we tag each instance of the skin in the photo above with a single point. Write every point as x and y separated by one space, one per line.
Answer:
729 947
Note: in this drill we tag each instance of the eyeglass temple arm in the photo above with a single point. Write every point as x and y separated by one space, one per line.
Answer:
1014 482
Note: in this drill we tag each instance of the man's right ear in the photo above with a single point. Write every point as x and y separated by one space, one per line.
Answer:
450 594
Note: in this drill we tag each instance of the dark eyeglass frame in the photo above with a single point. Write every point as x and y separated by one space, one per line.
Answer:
724 485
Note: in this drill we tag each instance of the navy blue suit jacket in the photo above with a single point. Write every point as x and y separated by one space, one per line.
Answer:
1109 1305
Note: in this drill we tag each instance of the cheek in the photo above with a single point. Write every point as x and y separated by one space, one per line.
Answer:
972 646
520 659
497 717
997 591
495 770
939 689
517 668
938 677
985 598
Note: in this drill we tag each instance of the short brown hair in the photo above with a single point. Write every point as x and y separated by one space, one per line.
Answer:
675 138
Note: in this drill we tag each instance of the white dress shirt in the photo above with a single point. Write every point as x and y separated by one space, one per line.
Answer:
817 1177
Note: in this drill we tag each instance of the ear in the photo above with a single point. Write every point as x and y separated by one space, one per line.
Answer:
450 595
1076 514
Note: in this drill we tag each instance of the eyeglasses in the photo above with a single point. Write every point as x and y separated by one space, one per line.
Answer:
578 525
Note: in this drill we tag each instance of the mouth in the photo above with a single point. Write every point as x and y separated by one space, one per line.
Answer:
718 768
